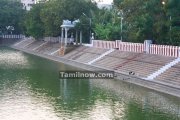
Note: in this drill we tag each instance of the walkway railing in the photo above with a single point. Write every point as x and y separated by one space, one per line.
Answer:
56 39
104 44
166 50
13 36
131 47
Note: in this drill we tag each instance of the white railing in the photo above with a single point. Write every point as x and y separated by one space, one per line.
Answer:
56 39
52 39
104 44
13 36
130 47
166 50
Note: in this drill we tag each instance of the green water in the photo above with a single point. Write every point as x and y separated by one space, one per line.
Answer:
31 90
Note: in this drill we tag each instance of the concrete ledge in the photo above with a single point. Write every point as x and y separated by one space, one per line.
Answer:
153 85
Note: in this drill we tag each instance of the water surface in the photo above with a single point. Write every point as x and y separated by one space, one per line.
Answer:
31 90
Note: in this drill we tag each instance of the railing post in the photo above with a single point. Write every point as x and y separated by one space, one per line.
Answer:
147 44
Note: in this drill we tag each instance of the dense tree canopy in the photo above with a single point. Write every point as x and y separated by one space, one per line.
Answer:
33 23
157 20
12 14
107 24
49 16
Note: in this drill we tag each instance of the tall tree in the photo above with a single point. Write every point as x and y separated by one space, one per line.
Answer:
107 24
12 14
33 23
150 19
46 19
173 7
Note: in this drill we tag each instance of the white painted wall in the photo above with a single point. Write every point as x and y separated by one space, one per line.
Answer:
28 4
104 3
38 1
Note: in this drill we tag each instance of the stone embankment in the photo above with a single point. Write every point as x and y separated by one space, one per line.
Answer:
143 69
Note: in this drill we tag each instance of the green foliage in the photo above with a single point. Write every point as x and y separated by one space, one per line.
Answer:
173 7
175 33
84 26
12 14
33 23
107 32
142 19
49 16
150 19
107 24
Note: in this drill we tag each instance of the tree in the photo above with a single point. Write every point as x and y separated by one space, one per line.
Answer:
33 23
50 15
107 24
67 9
12 14
173 13
150 19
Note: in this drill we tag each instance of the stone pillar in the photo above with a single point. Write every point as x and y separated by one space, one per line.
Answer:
66 31
80 37
147 44
62 36
76 37
72 39
92 37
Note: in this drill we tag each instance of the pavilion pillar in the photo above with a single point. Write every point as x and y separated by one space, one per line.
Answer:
66 31
76 37
80 37
62 36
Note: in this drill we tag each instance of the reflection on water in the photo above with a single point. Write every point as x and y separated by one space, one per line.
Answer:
9 59
31 90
